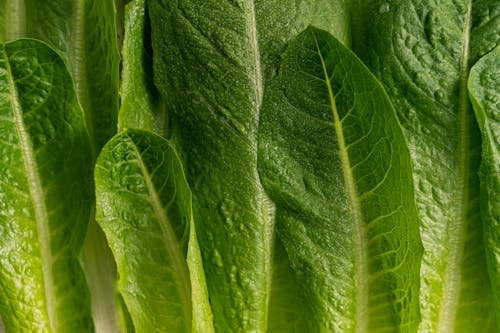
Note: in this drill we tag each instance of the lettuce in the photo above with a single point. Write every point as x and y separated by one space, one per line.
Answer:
247 171
423 54
144 207
334 160
46 193
484 92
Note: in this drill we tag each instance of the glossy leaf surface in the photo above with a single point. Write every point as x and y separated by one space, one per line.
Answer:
484 90
211 61
83 32
45 193
334 159
144 207
141 105
423 53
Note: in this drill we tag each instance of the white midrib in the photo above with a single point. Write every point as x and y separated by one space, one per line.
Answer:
359 234
37 198
172 244
266 206
16 19
452 276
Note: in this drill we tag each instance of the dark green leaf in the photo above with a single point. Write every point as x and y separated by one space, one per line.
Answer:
422 51
211 60
333 158
484 91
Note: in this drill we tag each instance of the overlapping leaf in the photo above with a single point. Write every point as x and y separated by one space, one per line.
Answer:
211 61
83 32
484 90
141 105
334 159
144 207
45 193
423 51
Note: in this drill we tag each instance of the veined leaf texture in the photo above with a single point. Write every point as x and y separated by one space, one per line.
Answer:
423 52
44 146
144 207
211 61
262 179
333 158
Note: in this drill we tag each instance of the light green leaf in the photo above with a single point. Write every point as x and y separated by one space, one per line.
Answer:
211 60
484 91
144 207
334 160
45 193
201 309
422 52
83 32
100 272
141 105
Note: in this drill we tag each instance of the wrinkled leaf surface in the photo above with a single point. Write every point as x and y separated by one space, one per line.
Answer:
144 207
45 193
423 51
333 157
211 60
484 90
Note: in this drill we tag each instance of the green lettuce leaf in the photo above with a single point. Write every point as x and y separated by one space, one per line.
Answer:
45 193
211 60
83 32
141 105
333 158
423 52
144 207
484 91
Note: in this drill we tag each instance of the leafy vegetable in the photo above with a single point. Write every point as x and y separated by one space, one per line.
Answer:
423 53
144 207
484 91
45 192
141 105
211 60
256 148
83 32
333 158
